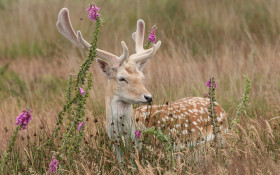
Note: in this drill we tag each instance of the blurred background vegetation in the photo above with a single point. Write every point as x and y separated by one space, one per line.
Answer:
220 38
201 27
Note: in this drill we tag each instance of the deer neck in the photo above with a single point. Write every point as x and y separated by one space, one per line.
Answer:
119 117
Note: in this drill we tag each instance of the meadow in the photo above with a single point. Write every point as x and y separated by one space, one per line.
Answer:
200 39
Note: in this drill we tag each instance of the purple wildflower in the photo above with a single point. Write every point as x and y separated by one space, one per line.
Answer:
53 165
93 14
137 133
208 84
152 36
24 118
80 125
205 95
82 91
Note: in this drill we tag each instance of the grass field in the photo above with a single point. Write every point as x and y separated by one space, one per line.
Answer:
200 39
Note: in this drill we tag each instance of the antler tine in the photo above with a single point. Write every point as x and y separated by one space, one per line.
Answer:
102 54
134 37
146 54
142 57
82 40
125 53
64 26
157 45
139 36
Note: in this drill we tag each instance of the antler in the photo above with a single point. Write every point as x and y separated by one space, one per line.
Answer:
64 26
138 37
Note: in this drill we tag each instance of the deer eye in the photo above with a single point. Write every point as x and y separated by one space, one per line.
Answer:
122 79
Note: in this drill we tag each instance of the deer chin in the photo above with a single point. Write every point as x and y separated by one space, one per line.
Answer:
133 101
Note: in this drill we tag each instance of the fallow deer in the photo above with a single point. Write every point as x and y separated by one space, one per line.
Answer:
187 118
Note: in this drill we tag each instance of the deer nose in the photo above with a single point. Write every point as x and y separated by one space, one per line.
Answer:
149 98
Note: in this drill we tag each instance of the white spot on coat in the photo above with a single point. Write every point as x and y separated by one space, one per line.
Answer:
185 132
222 115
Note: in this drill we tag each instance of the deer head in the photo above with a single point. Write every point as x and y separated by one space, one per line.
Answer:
124 73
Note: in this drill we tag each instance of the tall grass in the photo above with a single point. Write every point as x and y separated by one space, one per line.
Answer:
224 39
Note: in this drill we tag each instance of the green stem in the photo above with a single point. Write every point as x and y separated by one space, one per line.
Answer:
80 78
212 111
72 139
6 154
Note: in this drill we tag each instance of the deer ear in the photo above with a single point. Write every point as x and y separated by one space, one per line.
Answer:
104 67
142 64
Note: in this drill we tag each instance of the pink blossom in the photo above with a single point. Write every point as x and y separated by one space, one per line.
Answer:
208 84
152 36
24 118
53 165
82 91
80 125
137 133
205 95
93 14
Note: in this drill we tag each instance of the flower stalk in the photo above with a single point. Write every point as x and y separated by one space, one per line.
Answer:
244 102
212 113
6 154
80 80
73 136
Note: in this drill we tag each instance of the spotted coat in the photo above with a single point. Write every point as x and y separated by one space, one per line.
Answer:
187 118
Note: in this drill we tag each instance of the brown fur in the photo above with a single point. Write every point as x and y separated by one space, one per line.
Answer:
187 117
